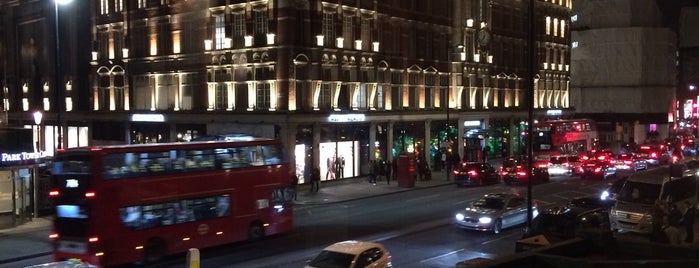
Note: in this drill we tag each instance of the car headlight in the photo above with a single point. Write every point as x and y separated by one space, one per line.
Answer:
460 217
604 195
485 220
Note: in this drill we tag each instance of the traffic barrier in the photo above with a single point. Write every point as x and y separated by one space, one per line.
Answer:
193 258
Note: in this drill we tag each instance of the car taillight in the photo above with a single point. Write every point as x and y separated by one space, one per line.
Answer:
521 173
472 173
654 155
504 173
598 170
53 236
54 193
628 162
93 239
90 194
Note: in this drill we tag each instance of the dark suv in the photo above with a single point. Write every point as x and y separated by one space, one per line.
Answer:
558 224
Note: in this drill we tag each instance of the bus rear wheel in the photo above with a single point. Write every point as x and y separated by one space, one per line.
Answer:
155 250
256 232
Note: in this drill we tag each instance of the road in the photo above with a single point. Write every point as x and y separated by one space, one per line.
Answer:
414 225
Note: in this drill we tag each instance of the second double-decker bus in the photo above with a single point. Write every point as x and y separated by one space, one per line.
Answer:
563 137
138 203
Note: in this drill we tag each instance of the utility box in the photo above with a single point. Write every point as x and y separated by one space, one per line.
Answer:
406 170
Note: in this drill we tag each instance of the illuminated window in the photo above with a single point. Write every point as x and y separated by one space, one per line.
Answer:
260 21
563 28
328 27
555 27
347 28
141 3
104 7
264 97
176 42
220 30
119 5
366 30
239 25
548 25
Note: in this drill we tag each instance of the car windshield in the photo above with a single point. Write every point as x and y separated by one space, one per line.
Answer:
638 192
332 259
490 203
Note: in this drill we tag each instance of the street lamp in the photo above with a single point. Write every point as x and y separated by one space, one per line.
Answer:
57 79
37 120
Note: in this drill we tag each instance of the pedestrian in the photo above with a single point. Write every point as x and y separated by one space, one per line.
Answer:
372 171
315 180
395 170
688 222
672 230
658 217
389 167
294 184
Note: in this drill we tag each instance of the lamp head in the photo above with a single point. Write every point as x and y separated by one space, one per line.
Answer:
63 2
37 117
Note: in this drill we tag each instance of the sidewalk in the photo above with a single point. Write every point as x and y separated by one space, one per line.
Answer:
358 188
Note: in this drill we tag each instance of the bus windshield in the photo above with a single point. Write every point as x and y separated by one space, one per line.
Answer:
638 192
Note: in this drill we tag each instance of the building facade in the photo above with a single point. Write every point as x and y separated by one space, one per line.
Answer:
624 74
340 82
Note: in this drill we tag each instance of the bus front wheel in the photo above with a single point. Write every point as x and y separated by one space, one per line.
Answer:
256 231
155 250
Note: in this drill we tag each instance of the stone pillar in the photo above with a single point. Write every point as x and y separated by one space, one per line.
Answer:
389 141
316 146
372 141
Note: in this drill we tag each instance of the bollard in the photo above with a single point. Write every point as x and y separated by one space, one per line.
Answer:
193 258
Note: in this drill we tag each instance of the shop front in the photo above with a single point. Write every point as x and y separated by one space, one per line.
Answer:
340 152
20 178
474 141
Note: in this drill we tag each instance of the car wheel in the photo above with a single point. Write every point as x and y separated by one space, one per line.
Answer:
155 250
497 226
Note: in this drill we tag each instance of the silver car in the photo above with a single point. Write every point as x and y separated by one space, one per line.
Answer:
495 211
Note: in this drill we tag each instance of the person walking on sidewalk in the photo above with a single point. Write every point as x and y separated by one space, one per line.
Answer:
294 185
372 171
688 222
389 168
315 180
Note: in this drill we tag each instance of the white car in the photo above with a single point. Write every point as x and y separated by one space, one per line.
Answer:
493 212
352 254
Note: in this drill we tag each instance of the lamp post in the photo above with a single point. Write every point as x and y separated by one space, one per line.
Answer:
35 192
57 78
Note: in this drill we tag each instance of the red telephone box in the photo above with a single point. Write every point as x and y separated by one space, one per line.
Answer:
406 170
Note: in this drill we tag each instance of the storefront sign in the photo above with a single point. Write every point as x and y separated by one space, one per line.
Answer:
23 156
472 123
147 118
554 112
343 118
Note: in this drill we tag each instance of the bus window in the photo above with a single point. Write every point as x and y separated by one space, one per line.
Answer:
271 154
73 166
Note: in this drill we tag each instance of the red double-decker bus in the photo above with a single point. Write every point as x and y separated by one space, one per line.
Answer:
563 137
139 203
